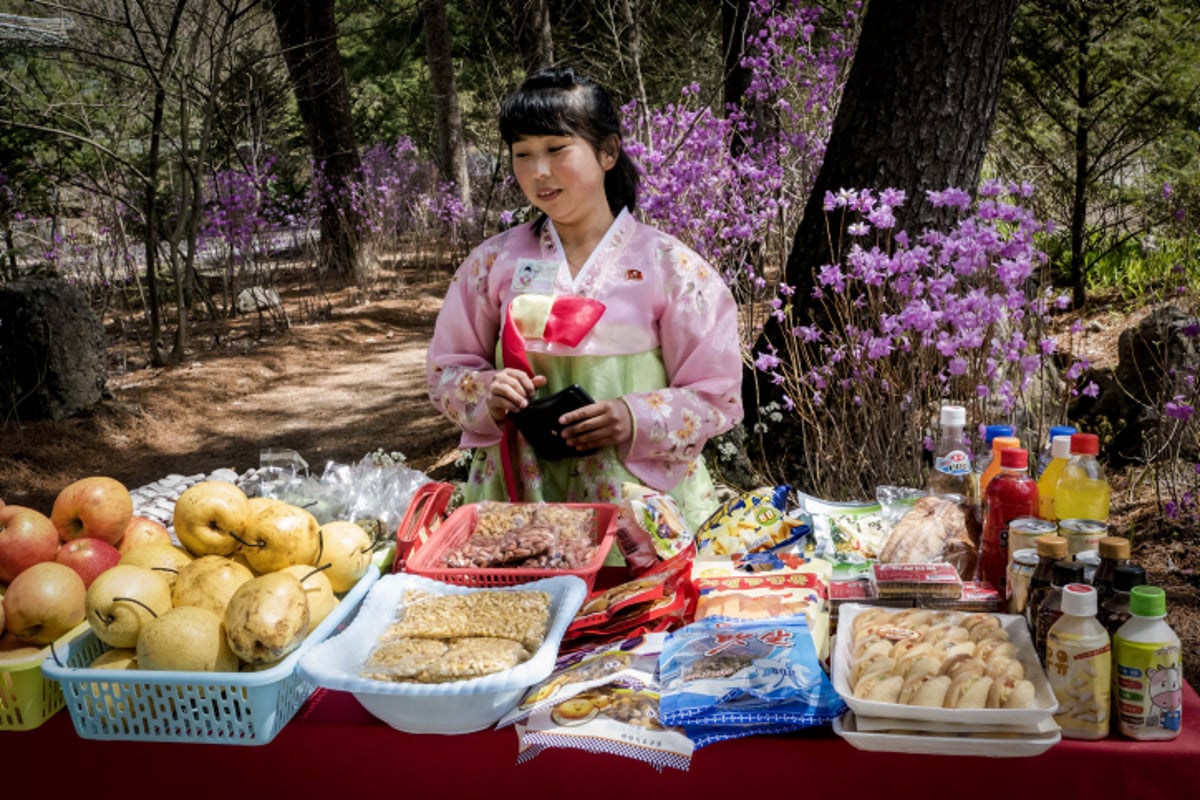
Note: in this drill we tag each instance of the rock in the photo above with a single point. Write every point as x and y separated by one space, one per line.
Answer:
52 350
257 298
1155 362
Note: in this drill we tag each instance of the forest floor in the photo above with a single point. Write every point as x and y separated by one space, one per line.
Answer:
346 378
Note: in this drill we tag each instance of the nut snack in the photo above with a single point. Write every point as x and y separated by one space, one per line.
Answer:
522 616
538 535
440 638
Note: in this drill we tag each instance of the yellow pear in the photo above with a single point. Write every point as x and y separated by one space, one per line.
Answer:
124 598
208 582
346 547
267 618
117 658
278 535
208 515
186 639
165 559
318 590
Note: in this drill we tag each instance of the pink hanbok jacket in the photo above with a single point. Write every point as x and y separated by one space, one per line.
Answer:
661 301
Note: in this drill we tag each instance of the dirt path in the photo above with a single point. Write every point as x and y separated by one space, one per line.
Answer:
334 390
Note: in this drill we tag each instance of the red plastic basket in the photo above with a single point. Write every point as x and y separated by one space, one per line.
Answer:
458 527
424 513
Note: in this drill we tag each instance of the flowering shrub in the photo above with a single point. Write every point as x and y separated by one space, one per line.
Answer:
242 213
909 322
733 186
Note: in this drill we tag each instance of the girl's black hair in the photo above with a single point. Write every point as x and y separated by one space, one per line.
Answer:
555 101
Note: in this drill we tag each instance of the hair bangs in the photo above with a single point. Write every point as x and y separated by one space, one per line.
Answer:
546 112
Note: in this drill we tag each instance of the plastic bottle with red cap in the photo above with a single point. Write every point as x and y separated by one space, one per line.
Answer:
1011 494
1082 491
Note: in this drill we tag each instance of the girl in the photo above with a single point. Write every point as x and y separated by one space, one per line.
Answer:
585 294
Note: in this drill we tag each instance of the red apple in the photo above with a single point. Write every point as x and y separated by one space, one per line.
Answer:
143 530
96 506
88 556
44 602
27 537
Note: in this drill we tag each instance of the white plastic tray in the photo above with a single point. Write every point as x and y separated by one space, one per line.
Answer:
991 744
1018 631
886 724
454 707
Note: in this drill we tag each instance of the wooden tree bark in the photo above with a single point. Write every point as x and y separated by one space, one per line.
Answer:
308 33
452 152
916 114
734 16
537 35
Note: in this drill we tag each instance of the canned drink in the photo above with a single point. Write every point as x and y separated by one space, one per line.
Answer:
1082 534
1091 562
1023 532
1020 570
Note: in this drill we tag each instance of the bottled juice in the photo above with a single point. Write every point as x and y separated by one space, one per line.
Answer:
1079 665
1149 669
1082 491
1044 458
999 444
982 460
1011 495
1048 482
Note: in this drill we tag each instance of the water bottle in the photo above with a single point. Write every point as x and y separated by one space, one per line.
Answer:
951 474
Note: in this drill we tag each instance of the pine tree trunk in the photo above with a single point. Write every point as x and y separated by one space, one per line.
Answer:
452 152
537 36
308 33
916 114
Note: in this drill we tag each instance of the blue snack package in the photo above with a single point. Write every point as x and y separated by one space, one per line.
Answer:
724 678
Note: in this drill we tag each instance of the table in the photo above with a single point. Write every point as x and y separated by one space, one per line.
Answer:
333 748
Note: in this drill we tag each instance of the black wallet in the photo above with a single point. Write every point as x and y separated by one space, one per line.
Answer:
538 423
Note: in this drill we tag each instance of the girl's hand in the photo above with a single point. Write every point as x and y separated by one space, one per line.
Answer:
598 425
510 392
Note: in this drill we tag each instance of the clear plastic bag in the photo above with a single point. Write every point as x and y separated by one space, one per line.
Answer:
378 487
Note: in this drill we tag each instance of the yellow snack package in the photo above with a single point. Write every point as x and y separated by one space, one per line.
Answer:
749 523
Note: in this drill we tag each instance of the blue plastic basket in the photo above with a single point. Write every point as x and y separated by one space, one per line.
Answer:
246 708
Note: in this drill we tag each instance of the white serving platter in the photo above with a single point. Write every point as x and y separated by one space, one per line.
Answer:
990 744
1045 702
450 708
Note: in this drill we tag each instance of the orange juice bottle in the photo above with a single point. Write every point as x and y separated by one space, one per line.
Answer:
993 468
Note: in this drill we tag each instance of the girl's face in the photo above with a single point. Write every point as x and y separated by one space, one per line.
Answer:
563 177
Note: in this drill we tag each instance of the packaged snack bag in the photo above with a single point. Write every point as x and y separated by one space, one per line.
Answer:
650 528
724 589
724 679
751 522
604 700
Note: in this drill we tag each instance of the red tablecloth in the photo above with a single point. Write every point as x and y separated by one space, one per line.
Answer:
334 749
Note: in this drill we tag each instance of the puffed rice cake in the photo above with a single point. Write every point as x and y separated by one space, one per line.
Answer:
520 615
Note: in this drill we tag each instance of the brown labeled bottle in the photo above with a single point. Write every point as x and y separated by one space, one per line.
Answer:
1050 548
1050 609
1114 611
1114 550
